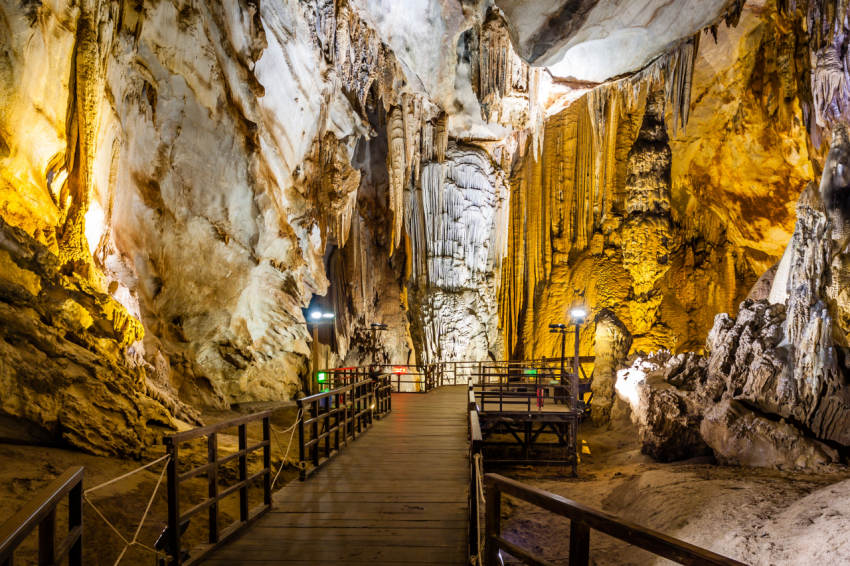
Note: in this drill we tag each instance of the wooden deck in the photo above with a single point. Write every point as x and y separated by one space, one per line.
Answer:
396 496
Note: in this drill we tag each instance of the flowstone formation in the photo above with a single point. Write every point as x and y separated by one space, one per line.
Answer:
784 361
456 239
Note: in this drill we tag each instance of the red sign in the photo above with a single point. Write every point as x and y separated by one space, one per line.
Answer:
399 369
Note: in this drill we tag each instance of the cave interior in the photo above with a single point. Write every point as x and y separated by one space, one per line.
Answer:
210 207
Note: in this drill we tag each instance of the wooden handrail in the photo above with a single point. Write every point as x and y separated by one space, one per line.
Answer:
476 441
583 519
344 413
217 427
217 535
40 513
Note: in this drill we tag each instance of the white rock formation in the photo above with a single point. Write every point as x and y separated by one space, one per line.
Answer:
455 260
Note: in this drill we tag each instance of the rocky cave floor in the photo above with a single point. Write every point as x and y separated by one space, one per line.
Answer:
26 470
761 517
758 516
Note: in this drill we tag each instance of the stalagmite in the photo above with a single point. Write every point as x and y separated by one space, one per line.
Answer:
647 233
613 341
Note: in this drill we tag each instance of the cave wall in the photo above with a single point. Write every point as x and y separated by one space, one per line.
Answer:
738 159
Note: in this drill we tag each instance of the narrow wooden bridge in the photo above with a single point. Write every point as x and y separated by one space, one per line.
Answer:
397 496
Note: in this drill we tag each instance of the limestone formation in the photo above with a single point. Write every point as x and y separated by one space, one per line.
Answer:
458 205
612 344
67 377
740 437
781 360
647 232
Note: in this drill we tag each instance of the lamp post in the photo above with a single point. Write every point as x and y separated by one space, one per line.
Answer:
317 318
562 330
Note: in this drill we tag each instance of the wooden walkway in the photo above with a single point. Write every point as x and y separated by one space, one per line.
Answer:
396 496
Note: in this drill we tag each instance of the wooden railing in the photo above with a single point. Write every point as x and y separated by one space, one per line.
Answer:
41 513
217 536
583 519
335 417
475 443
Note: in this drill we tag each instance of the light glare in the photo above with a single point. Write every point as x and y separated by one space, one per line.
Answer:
578 313
315 315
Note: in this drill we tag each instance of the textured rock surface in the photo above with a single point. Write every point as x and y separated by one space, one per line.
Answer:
455 246
577 38
62 358
668 419
740 437
779 359
217 168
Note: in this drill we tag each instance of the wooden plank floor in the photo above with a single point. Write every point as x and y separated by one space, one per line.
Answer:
395 496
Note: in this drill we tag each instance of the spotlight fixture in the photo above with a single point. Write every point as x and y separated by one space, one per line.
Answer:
315 315
578 313
328 315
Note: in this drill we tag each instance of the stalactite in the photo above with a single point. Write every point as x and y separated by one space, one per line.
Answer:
647 234
412 111
502 72
441 138
362 59
334 188
396 166
415 228
550 213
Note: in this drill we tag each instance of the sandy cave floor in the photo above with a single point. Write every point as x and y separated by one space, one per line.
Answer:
759 517
26 470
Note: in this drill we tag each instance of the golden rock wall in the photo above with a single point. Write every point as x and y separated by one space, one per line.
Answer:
570 243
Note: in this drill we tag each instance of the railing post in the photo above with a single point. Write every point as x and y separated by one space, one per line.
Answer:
212 456
314 448
47 539
267 460
327 413
243 473
337 423
579 544
75 519
174 504
492 525
302 457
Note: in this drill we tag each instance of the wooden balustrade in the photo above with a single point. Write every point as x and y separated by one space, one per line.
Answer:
41 513
217 536
335 416
475 443
583 519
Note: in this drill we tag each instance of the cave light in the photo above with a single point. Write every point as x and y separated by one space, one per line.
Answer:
315 315
578 313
